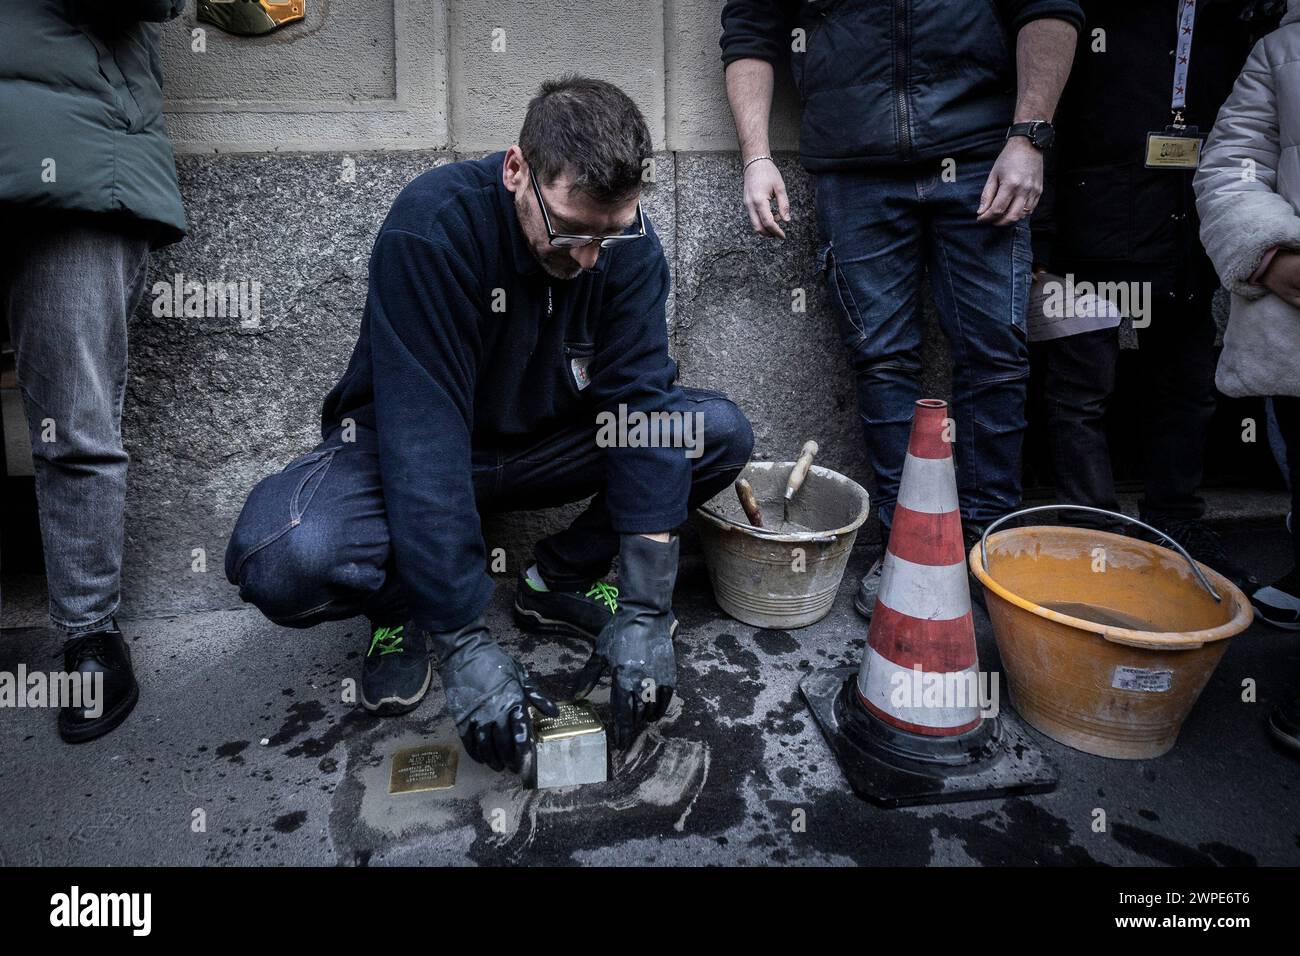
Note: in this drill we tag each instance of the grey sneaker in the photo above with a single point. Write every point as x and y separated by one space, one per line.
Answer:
869 589
1279 603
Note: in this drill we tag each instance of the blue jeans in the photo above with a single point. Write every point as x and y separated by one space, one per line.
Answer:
883 231
68 283
312 542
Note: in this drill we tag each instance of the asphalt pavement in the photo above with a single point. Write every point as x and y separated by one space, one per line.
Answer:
243 751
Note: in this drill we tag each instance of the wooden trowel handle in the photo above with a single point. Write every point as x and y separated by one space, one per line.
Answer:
800 470
747 501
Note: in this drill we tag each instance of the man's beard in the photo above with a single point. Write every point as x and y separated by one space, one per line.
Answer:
555 262
558 267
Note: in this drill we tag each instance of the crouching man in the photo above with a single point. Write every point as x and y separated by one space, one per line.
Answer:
515 303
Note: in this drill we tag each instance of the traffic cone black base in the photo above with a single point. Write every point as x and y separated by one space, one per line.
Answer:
894 768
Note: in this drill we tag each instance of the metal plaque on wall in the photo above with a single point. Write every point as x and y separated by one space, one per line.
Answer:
250 18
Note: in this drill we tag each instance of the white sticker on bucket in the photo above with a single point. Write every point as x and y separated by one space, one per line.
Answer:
1141 679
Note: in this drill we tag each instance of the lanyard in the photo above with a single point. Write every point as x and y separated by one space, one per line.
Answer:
1182 57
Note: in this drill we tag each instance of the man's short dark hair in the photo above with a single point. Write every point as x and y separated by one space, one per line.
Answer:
592 130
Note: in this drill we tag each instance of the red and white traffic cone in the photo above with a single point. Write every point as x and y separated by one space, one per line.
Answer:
922 630
909 726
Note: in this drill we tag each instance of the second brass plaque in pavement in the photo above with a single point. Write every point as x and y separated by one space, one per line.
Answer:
424 768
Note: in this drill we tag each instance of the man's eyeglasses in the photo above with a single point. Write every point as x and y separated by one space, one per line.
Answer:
566 241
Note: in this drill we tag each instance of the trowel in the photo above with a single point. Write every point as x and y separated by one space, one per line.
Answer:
749 502
797 475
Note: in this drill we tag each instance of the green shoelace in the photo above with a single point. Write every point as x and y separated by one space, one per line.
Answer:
606 594
387 639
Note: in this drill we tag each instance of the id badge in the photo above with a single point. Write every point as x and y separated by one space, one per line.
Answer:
1174 148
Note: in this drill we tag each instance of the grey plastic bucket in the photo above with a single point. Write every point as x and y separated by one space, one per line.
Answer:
782 580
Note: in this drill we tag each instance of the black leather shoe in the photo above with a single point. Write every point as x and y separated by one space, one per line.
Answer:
103 652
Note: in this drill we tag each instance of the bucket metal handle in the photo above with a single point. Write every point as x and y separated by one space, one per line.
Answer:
813 537
1200 575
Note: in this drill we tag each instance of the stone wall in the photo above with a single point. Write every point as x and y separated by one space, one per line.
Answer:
291 148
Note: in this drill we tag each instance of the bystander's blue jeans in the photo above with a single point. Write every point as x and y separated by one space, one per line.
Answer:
68 283
884 230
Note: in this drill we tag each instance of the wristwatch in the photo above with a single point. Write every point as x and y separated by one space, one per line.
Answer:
1040 133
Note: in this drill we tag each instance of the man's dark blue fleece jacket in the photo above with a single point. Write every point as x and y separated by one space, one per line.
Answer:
888 82
466 343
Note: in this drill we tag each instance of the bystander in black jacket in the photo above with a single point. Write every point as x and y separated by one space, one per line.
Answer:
1108 216
898 82
1105 217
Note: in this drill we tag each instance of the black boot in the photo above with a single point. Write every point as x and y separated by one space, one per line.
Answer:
106 653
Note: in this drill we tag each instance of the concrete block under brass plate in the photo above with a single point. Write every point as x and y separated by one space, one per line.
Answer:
569 749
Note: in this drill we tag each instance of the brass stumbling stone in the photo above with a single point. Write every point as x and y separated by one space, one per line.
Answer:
569 749
418 769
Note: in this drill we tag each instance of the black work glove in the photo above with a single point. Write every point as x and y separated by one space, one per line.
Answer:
488 693
637 644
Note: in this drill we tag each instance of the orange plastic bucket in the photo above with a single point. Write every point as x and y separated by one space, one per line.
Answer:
1106 640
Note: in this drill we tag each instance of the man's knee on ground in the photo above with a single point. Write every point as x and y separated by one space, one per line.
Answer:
289 575
728 435
251 531
293 576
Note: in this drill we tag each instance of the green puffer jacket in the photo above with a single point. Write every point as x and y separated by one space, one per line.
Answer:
81 124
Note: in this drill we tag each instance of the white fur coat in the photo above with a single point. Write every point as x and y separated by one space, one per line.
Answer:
1247 194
